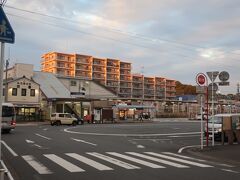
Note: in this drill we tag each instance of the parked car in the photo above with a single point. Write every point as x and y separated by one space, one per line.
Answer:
216 122
8 117
79 119
63 118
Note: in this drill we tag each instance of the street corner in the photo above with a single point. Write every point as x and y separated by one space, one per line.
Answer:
220 153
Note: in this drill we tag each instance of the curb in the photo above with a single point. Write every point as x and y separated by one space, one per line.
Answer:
199 153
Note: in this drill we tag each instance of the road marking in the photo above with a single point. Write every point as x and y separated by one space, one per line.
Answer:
158 160
29 141
89 162
185 157
45 129
179 160
7 171
185 147
229 170
145 163
39 167
140 146
37 145
43 136
151 139
79 140
226 165
184 136
114 161
9 149
129 135
63 163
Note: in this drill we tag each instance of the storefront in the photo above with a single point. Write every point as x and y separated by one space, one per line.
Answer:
133 112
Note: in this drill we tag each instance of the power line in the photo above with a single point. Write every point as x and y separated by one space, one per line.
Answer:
152 39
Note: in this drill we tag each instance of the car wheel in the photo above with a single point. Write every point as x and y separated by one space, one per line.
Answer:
74 123
58 123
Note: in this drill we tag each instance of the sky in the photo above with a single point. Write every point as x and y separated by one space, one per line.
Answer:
166 38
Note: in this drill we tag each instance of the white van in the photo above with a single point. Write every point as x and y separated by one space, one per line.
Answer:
63 118
218 121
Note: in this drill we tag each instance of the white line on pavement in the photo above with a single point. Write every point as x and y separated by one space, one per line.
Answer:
7 171
185 147
229 170
43 136
140 146
158 160
9 149
124 135
114 161
65 164
80 140
89 162
145 163
39 167
178 160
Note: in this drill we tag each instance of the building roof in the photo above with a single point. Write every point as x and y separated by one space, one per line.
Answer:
51 86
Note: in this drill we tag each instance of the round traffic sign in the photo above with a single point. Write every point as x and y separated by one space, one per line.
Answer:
201 79
223 76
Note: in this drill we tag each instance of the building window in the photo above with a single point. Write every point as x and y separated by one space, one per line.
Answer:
73 83
14 91
32 92
24 92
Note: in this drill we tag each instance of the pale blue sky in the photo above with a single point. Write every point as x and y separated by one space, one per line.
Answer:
169 38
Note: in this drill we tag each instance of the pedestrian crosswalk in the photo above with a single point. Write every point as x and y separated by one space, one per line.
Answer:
109 161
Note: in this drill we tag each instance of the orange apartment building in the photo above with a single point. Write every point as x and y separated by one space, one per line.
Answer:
112 73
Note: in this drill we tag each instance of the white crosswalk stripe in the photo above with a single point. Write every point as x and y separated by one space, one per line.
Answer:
184 157
145 163
65 164
115 158
158 160
178 159
114 161
89 162
39 167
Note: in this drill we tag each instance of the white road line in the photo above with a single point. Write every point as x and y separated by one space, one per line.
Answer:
178 160
43 136
158 160
183 148
185 157
140 146
63 163
7 171
124 135
229 170
39 167
29 141
145 163
80 140
114 161
9 149
89 162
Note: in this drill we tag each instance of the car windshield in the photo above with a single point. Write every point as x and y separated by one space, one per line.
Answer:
215 120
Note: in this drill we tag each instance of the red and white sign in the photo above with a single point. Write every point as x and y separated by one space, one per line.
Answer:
201 79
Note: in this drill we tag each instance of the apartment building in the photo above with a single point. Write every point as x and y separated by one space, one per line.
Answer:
115 74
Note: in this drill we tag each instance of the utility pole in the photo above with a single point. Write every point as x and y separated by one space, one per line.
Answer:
6 82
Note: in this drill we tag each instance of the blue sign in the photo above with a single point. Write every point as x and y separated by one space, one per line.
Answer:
7 34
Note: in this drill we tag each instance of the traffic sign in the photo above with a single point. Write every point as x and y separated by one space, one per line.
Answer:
212 75
223 76
224 83
7 34
201 79
213 87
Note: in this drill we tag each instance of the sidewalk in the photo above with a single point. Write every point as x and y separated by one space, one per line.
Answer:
224 153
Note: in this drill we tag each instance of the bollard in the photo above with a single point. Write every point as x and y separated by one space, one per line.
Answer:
2 172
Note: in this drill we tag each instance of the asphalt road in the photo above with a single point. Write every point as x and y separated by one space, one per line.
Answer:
108 151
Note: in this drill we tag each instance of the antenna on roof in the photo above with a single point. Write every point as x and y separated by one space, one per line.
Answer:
3 2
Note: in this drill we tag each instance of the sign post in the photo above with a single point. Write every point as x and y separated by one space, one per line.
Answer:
7 35
201 80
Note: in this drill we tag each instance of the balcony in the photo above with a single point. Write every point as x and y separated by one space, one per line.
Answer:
113 64
128 67
112 84
95 69
137 87
125 79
